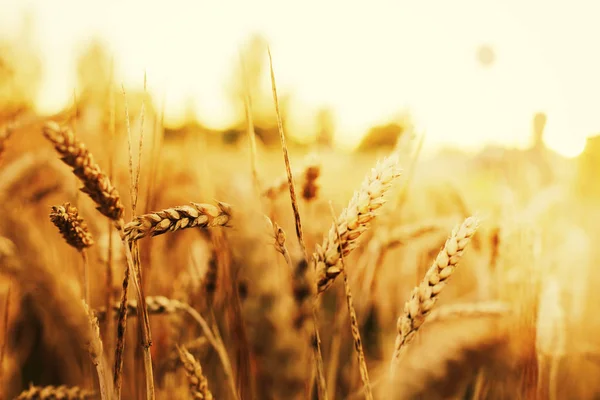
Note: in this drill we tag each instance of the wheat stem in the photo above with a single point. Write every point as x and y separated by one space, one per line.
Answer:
364 373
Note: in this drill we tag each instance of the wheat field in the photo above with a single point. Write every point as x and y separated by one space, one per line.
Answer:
139 261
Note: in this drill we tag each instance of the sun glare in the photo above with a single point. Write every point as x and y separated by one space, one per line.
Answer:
469 78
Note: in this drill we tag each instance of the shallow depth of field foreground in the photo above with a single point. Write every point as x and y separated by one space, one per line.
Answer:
145 261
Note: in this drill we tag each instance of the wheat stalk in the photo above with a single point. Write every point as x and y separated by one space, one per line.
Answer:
176 218
219 347
353 221
96 352
364 373
424 296
300 273
163 305
250 130
193 370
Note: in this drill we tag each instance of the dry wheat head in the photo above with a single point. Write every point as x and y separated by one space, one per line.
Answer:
424 296
96 183
55 393
353 221
71 226
193 370
173 219
156 305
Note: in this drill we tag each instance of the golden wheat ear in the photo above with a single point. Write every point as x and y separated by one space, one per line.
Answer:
196 379
56 393
71 226
95 183
177 218
156 305
353 221
424 297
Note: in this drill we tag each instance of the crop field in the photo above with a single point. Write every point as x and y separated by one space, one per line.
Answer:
145 261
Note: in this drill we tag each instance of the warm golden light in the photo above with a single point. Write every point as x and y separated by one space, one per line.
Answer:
366 61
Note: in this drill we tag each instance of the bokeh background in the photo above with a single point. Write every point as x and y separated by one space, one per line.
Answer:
468 73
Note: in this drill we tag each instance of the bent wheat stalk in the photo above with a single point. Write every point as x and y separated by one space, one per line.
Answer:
424 296
219 347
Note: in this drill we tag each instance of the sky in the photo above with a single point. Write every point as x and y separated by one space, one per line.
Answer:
366 60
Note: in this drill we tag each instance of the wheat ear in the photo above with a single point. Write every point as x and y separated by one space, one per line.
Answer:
75 232
353 221
176 218
193 370
424 296
108 202
96 183
156 305
55 393
71 226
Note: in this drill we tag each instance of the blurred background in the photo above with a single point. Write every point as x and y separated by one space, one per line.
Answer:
466 74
